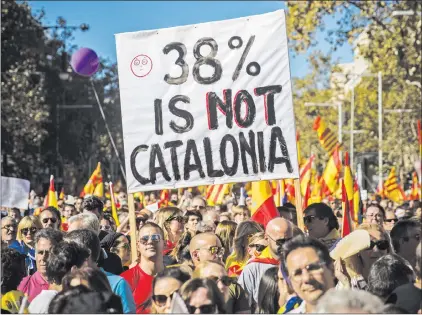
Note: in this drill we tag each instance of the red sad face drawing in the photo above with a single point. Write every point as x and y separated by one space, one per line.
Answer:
141 66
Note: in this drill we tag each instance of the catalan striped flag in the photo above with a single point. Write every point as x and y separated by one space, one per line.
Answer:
216 193
51 195
331 173
290 190
316 192
326 136
392 189
113 205
263 207
93 181
305 175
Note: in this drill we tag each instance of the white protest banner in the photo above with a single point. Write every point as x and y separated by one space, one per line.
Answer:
207 104
14 192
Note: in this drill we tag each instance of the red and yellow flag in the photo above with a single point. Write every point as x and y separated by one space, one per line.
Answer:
99 190
347 226
93 181
290 190
356 201
415 193
348 193
326 136
51 196
392 189
331 173
263 207
216 193
113 205
61 196
316 191
280 193
164 198
305 175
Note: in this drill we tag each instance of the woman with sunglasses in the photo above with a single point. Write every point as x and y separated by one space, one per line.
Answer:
170 219
164 285
25 241
257 243
118 244
353 270
234 296
202 296
240 256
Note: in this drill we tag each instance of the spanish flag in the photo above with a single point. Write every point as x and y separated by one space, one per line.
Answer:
415 193
326 136
99 189
347 197
263 207
61 196
331 173
164 198
392 189
113 205
316 191
290 190
93 181
51 196
234 267
280 193
356 202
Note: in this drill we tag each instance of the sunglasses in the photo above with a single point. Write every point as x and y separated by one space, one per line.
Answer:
310 218
161 300
280 242
203 309
105 227
258 247
139 220
9 227
381 245
391 220
226 280
45 220
215 250
43 252
178 218
155 238
31 230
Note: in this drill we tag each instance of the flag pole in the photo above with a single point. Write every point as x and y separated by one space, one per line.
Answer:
133 227
299 205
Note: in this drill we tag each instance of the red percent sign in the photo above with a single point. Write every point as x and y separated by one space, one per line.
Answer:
141 66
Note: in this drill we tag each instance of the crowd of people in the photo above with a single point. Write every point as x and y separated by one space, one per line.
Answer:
200 259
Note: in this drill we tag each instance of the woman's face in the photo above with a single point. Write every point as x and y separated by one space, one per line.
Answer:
240 217
28 235
374 215
176 224
369 256
255 249
163 294
216 273
199 299
123 249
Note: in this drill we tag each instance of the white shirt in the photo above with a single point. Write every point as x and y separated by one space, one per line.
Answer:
41 302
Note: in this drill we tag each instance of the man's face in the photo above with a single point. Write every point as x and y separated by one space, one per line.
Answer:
390 220
209 249
317 227
278 237
374 215
408 245
192 223
67 211
9 228
49 220
309 276
150 242
197 204
42 248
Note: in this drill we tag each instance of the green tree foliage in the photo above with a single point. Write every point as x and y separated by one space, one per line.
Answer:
392 45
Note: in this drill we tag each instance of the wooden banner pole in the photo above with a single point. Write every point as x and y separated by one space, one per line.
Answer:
299 205
133 227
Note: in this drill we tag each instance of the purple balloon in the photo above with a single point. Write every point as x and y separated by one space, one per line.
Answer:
85 62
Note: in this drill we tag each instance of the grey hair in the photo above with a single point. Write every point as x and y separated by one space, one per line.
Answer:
89 221
349 301
54 236
8 218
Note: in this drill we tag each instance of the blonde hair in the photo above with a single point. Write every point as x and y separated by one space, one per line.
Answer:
240 210
225 231
162 215
27 222
226 214
256 237
199 270
379 228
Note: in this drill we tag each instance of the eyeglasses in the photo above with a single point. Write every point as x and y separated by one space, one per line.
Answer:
161 299
310 218
105 227
177 218
125 246
226 280
139 220
280 242
378 215
31 230
155 238
45 220
313 269
10 227
203 309
215 250
43 252
381 245
391 220
258 247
